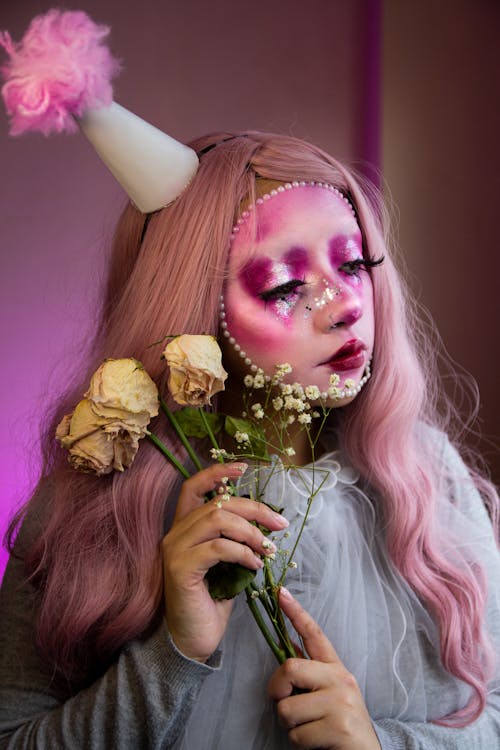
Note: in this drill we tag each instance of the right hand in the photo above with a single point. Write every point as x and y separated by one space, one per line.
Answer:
202 535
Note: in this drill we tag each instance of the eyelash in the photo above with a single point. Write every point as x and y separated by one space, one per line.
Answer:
353 267
283 291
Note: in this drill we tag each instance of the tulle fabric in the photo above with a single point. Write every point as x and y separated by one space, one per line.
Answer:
380 630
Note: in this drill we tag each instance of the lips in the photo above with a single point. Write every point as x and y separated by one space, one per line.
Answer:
350 356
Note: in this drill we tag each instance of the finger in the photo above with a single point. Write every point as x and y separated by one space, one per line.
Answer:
300 709
313 734
305 674
250 510
195 489
217 522
208 554
315 641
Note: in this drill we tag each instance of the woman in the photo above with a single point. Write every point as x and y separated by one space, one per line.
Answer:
398 565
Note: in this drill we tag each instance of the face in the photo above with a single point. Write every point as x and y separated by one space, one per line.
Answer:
298 293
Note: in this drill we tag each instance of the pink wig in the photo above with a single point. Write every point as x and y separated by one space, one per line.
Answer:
108 530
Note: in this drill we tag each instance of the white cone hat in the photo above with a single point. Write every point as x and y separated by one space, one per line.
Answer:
152 167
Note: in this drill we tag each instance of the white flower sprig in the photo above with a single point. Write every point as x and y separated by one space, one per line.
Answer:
103 433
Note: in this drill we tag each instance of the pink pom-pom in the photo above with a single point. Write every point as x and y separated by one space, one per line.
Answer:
59 69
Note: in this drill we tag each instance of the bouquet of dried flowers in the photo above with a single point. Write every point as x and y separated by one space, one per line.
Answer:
102 434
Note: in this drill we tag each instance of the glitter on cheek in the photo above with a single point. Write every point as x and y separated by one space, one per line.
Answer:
284 309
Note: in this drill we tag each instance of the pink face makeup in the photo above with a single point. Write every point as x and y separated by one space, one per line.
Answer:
298 293
262 275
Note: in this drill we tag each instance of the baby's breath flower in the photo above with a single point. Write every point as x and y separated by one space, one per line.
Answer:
291 419
225 497
312 392
278 403
334 392
307 405
316 414
219 452
259 379
304 418
241 437
256 407
349 383
248 381
224 480
292 564
259 414
289 451
254 595
334 379
298 390
286 389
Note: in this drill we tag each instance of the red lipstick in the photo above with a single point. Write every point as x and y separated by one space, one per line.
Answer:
350 356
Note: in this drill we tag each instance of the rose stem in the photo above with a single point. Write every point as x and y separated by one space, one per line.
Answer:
185 442
163 449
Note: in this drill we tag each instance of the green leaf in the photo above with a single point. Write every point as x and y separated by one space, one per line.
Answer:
256 435
191 423
227 580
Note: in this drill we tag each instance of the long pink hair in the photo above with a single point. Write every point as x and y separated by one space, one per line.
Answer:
93 547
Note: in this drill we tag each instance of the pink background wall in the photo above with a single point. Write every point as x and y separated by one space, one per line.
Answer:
313 71
189 68
441 160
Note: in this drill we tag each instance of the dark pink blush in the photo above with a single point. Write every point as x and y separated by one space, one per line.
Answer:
342 248
297 260
255 275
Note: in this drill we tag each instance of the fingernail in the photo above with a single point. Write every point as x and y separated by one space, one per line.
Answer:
283 522
285 593
259 561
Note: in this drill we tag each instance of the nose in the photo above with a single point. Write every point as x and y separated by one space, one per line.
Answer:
343 310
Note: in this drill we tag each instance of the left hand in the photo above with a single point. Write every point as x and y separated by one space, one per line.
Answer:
332 714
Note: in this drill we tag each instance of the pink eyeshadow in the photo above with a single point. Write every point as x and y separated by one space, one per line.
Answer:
297 259
342 248
255 275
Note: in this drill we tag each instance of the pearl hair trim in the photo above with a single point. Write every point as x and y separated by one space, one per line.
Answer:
342 393
282 189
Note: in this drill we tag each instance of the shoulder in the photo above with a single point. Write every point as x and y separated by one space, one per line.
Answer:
460 503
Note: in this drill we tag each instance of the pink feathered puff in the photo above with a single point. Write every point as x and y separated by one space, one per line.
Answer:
59 69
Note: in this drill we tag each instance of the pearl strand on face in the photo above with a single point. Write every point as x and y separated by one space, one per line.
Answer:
342 393
282 189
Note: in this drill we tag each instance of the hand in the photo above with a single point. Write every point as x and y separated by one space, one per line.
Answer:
202 535
333 714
